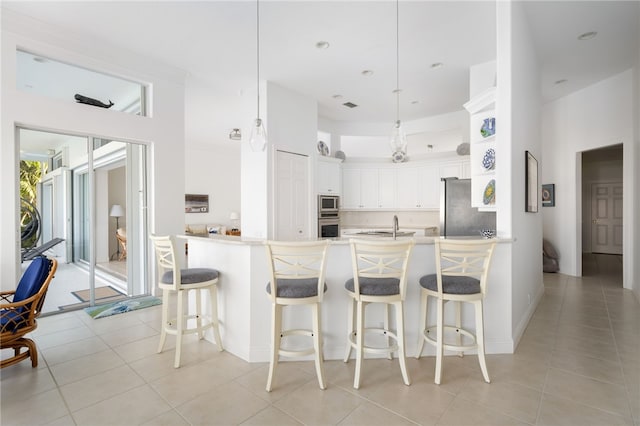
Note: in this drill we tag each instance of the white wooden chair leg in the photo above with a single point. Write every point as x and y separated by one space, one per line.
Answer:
165 319
199 311
179 328
440 341
386 327
276 337
401 345
480 340
213 293
317 344
359 342
424 299
350 328
459 326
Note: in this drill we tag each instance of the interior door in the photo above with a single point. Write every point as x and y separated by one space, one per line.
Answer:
606 218
292 197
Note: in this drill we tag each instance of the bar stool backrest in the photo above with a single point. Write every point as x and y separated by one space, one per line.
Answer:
166 261
464 258
381 259
297 260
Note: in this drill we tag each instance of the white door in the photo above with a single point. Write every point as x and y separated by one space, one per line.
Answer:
292 197
351 183
606 218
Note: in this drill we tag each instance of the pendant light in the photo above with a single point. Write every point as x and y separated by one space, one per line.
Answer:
258 140
398 137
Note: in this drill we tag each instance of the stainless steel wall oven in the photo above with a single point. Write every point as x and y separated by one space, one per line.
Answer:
328 216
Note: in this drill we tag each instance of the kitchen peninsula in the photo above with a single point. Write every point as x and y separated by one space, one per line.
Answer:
244 309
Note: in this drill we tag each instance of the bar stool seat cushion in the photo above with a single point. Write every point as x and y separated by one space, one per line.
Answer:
297 288
375 286
191 276
451 284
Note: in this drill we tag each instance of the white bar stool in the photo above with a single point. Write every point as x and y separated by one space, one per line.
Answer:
379 276
173 279
462 267
297 271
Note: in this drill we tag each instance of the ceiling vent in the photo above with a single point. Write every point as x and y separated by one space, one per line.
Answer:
350 104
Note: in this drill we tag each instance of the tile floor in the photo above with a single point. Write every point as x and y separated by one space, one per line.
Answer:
577 364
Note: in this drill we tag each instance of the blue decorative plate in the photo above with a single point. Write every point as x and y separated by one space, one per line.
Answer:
489 196
489 159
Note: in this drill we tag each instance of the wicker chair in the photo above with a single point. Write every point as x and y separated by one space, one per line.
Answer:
20 308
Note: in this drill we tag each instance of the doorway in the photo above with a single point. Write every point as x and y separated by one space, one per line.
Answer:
90 194
602 200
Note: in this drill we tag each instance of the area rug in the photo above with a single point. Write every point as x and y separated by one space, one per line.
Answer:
104 292
121 307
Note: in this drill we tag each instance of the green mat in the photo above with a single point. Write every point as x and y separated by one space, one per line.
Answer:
122 306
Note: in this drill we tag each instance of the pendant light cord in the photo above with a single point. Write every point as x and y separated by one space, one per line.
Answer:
258 54
397 60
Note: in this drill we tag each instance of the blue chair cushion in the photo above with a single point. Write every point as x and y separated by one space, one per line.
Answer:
451 284
375 286
297 288
32 279
191 276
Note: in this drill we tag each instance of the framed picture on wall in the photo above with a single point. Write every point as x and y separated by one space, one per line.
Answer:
196 203
548 195
530 183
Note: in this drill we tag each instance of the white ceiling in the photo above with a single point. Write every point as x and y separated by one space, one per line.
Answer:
215 43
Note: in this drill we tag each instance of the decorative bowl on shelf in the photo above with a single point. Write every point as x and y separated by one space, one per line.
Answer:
488 233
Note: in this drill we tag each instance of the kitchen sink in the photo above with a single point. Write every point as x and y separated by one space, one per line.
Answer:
387 233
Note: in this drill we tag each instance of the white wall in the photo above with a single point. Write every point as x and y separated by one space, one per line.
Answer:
163 131
597 116
524 135
291 122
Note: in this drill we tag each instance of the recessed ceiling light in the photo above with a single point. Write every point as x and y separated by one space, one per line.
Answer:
322 45
396 91
587 36
415 102
367 73
561 81
337 96
437 65
39 59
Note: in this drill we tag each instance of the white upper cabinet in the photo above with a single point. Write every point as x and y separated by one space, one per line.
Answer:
405 186
329 176
359 188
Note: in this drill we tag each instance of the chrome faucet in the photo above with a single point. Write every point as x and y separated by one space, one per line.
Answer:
395 226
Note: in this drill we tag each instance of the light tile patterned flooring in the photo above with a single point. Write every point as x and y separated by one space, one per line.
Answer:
577 364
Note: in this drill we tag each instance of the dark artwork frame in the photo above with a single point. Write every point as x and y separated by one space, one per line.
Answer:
549 195
530 183
196 203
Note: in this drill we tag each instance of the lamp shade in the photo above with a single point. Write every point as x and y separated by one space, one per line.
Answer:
116 211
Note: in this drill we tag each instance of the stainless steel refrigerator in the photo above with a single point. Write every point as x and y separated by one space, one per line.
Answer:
457 217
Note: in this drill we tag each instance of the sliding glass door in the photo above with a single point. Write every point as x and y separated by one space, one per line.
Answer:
92 195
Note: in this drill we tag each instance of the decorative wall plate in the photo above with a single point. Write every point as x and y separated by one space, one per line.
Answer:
340 155
489 196
488 127
323 148
399 157
489 159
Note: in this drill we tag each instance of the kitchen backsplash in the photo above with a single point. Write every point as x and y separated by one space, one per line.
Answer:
375 219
